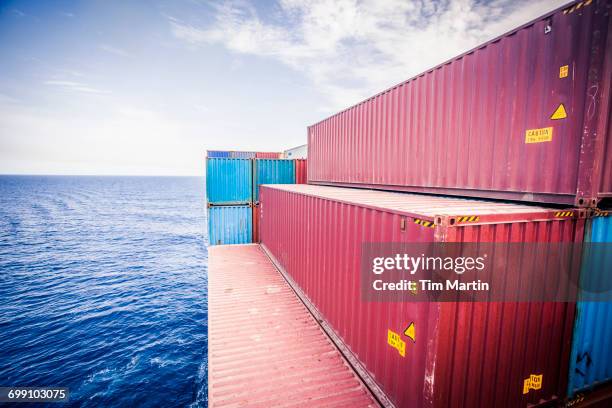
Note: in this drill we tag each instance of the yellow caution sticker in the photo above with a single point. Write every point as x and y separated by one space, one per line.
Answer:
539 135
533 382
577 6
564 214
396 342
424 223
410 332
563 71
468 218
559 113
576 400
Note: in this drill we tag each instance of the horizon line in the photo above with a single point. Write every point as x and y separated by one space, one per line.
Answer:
98 175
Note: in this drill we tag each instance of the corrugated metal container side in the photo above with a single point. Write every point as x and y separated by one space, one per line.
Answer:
591 358
301 171
489 123
265 349
268 155
242 155
217 154
256 223
229 181
230 224
465 354
272 171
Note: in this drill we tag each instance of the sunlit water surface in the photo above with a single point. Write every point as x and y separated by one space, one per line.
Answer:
103 288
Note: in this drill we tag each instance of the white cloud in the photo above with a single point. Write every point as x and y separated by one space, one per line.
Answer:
350 49
114 50
76 86
66 14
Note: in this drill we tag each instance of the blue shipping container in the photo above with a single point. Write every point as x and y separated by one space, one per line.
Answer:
231 224
273 171
242 155
229 181
591 358
217 154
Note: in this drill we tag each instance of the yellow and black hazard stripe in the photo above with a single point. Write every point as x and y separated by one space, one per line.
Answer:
424 223
601 213
563 214
473 218
577 6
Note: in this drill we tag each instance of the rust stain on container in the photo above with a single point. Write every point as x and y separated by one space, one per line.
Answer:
424 354
265 349
487 123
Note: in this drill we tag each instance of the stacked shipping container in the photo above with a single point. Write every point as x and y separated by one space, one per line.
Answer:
232 190
229 181
524 117
229 192
230 224
465 354
269 155
591 356
272 171
234 154
217 154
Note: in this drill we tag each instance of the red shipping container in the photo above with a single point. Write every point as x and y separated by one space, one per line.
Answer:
465 354
265 349
268 155
525 116
301 175
255 207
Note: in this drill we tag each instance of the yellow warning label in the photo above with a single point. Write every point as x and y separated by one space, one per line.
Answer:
410 332
472 218
396 342
539 135
577 6
428 224
559 113
534 382
563 71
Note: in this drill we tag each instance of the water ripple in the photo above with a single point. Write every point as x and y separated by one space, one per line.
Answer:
103 288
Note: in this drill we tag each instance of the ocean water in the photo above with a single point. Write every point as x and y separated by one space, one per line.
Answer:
103 288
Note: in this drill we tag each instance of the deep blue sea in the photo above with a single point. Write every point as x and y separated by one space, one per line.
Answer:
103 288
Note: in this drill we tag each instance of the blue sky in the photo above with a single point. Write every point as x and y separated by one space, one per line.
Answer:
114 87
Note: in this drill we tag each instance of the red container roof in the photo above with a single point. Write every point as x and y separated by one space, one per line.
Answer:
431 207
265 349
